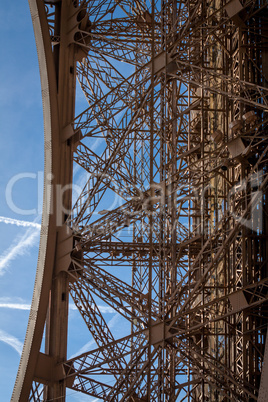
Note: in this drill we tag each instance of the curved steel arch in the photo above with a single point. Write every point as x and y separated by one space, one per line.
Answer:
53 163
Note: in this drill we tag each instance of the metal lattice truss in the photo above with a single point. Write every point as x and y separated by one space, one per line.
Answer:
170 227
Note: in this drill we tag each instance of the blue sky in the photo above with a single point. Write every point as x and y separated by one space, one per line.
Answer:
21 128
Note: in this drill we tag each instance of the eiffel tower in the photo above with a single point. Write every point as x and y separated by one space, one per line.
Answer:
155 202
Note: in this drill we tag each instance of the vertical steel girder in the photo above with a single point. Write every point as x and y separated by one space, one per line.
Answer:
171 141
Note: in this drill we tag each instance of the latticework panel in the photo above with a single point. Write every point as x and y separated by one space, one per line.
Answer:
169 229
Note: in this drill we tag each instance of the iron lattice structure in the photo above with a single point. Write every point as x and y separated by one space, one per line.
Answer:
177 98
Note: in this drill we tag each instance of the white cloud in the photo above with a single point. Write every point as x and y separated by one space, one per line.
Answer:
103 309
14 303
19 304
113 321
28 240
106 309
15 306
17 222
88 345
84 349
11 341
